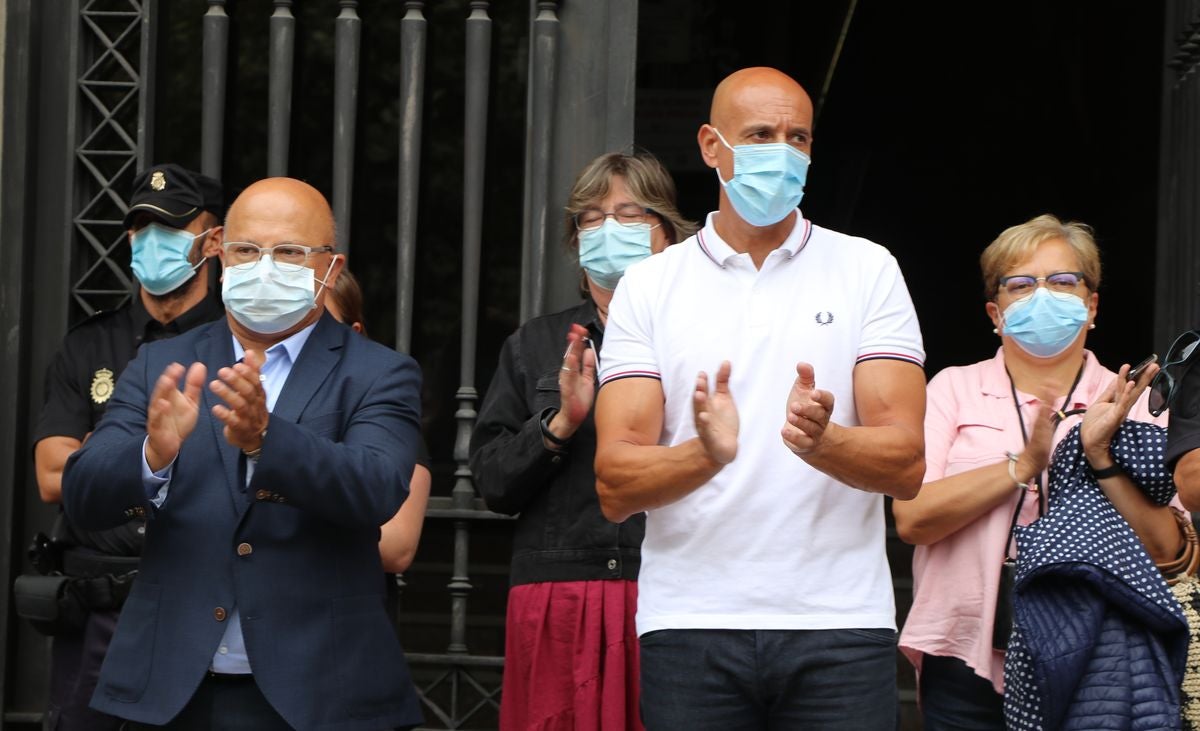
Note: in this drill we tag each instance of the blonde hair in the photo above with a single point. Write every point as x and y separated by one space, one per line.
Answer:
1017 243
648 182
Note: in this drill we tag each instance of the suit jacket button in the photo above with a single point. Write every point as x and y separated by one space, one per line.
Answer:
219 614
262 494
245 549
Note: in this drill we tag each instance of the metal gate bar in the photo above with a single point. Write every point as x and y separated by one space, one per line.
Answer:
412 105
279 94
347 37
213 79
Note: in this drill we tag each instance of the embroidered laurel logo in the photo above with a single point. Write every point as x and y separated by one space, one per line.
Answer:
102 385
824 318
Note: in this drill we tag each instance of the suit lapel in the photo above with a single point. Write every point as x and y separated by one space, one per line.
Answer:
216 352
310 371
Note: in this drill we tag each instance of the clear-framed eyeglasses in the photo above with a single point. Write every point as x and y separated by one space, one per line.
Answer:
288 257
1020 285
626 214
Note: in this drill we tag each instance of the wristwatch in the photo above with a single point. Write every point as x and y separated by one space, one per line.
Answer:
252 454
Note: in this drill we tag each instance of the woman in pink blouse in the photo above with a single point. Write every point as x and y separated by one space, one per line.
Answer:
990 429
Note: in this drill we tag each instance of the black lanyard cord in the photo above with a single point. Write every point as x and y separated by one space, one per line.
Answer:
1063 413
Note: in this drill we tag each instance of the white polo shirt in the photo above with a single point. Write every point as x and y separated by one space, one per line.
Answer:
769 542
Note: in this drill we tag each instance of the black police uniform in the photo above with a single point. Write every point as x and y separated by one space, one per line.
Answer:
78 386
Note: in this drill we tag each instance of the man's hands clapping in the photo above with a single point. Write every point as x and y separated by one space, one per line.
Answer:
172 413
716 415
808 412
246 415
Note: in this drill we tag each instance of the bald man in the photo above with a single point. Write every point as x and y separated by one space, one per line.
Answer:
264 468
765 599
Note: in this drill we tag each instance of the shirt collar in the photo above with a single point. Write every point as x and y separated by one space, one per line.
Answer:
715 248
146 328
995 381
140 315
208 309
293 344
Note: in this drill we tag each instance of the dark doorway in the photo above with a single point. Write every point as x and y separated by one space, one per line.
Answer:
941 127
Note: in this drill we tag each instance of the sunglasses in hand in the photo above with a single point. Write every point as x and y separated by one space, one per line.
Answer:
1162 388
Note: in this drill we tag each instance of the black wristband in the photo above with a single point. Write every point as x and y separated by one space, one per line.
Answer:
1111 471
549 435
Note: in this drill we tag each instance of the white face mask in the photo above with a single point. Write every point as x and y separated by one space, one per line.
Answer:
269 299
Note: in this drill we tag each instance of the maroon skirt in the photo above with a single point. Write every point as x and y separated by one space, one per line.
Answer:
571 657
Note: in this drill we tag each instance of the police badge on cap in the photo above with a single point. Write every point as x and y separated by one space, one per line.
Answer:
174 195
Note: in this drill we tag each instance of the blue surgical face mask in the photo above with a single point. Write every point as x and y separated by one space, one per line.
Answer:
768 181
1045 323
268 299
160 257
607 251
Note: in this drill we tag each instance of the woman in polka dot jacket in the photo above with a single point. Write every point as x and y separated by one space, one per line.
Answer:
989 432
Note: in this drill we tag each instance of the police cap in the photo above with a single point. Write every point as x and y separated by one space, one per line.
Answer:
175 195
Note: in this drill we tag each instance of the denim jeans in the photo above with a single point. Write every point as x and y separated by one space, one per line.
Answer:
954 698
769 679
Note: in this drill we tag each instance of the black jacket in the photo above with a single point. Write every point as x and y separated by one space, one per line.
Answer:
561 534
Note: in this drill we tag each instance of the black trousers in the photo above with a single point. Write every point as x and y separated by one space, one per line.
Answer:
74 670
224 703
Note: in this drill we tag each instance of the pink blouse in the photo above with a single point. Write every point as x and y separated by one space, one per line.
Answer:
970 422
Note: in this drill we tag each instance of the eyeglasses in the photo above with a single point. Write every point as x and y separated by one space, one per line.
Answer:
1019 285
1162 388
288 257
626 214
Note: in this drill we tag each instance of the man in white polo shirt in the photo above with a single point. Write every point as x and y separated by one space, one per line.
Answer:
765 598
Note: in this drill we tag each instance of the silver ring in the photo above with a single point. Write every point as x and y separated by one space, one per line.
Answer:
564 368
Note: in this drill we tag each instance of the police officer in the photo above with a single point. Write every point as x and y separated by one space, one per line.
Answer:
174 226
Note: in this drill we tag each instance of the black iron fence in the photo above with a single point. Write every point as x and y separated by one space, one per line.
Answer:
111 117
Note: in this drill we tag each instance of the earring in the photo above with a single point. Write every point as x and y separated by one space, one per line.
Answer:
1091 326
995 331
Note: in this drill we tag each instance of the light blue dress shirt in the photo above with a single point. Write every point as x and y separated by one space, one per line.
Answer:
230 656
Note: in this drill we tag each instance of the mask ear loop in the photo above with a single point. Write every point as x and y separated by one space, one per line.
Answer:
325 279
203 258
721 137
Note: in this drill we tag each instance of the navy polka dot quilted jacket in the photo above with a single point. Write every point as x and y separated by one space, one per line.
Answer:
1098 641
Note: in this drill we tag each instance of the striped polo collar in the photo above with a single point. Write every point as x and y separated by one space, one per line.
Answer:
719 252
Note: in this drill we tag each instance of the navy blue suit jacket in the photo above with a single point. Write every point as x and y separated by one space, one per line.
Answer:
296 550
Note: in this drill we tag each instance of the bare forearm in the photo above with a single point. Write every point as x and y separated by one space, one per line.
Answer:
399 537
631 478
1154 524
946 506
50 458
1187 479
886 459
